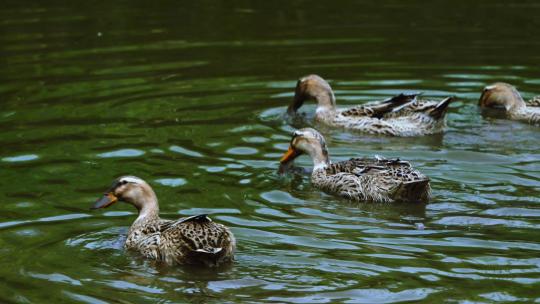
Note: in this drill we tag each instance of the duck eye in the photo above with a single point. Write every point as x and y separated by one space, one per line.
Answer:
123 182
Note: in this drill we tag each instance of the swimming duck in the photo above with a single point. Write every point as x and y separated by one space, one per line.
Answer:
360 179
191 240
504 95
402 115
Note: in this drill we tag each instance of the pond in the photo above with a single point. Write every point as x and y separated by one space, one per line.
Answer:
190 96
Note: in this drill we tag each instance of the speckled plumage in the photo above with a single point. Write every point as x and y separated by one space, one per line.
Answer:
505 96
360 179
402 115
534 102
530 114
373 180
191 240
195 240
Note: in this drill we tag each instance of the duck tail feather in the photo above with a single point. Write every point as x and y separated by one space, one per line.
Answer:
394 104
211 251
402 98
414 191
440 109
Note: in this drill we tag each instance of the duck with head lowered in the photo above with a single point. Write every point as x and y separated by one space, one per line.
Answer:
192 240
359 179
402 115
505 96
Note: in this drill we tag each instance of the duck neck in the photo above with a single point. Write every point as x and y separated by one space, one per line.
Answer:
320 158
326 103
517 103
148 209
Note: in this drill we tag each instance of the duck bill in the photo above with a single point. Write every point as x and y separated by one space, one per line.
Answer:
105 201
290 155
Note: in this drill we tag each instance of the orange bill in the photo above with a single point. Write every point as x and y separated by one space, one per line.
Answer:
105 201
291 154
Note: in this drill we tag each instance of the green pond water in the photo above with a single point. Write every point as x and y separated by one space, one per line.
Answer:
190 96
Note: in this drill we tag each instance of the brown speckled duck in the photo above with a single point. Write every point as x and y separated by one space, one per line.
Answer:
505 96
360 179
192 240
402 115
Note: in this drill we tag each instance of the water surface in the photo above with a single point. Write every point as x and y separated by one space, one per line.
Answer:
190 97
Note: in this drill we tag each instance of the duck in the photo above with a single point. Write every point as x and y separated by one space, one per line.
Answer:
377 180
194 240
402 115
506 96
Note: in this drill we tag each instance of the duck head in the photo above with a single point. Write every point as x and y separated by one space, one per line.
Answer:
129 189
313 87
307 141
501 95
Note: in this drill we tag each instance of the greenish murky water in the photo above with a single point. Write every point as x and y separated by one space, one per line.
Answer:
190 97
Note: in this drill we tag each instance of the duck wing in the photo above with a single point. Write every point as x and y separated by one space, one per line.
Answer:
378 110
198 239
533 111
378 179
164 224
168 224
359 166
435 109
534 102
